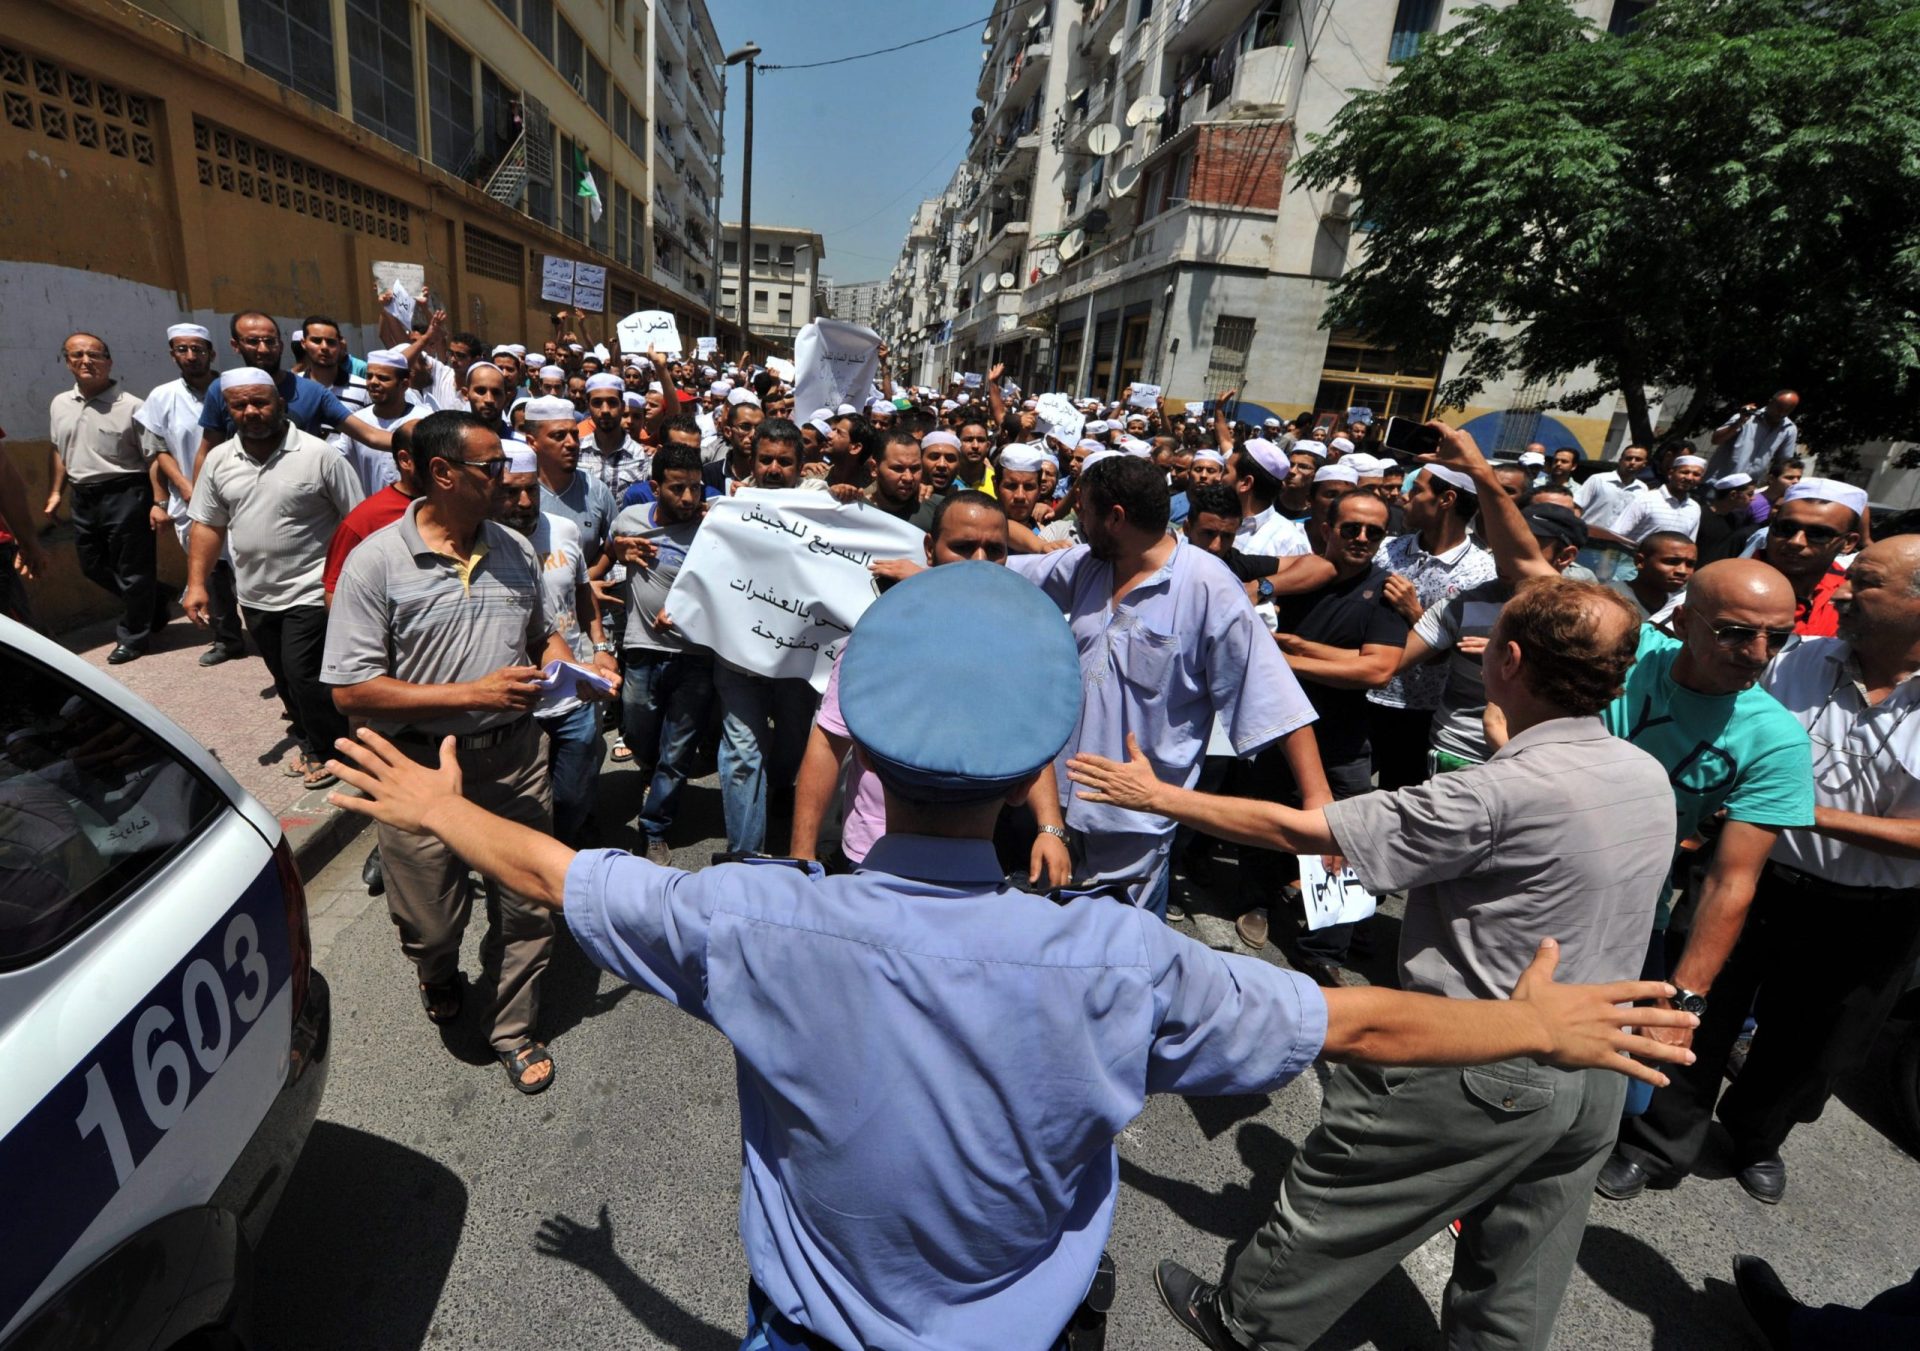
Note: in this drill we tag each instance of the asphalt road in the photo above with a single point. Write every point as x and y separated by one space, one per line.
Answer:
436 1207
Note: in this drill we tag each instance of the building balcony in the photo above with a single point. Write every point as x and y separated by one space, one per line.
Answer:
1194 233
1262 88
669 21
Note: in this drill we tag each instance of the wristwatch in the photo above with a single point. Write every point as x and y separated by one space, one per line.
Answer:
1058 832
1688 1002
603 647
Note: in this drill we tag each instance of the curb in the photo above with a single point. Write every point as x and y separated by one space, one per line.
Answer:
317 831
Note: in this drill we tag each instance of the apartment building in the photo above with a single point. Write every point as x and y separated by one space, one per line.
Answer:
858 302
1123 213
191 158
785 291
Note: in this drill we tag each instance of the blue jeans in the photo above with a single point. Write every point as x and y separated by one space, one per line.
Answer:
664 700
573 763
763 731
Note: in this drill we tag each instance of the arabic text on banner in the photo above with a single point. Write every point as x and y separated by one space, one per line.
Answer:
1332 898
556 279
403 282
776 579
649 331
834 363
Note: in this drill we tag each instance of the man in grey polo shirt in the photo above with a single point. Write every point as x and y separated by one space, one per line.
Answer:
1565 833
273 497
436 638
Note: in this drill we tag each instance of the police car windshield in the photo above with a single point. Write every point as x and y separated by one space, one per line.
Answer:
89 804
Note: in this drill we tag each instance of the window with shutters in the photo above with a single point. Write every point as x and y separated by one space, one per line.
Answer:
1227 359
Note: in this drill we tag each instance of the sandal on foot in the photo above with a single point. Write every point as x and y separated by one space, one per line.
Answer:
621 752
442 1002
517 1063
318 776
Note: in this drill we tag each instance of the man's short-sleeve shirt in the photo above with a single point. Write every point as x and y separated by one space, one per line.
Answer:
1458 728
647 587
280 515
98 438
171 416
1566 833
405 611
1658 510
563 571
1435 577
311 406
1743 751
1179 648
1350 614
1755 448
1604 498
586 502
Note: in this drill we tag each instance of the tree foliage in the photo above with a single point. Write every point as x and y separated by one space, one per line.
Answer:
1727 200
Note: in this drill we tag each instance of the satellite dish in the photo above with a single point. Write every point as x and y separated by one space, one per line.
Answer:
1119 41
1050 266
1123 180
989 284
1008 281
1033 19
1104 139
987 34
1145 109
1070 246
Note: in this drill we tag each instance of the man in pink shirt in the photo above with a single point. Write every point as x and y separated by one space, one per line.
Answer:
967 527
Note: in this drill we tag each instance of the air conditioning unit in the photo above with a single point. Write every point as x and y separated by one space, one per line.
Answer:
1340 207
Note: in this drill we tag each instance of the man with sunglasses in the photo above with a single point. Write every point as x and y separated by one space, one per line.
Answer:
437 635
1818 522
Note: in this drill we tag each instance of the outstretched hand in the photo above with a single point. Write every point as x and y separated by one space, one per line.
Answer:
1586 1028
1132 785
571 1241
396 791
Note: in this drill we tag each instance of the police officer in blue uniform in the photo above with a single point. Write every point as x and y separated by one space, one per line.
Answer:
933 1065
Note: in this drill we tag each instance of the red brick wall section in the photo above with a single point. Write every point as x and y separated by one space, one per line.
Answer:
1242 166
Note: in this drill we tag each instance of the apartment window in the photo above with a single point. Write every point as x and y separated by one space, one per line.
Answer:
510 8
1133 349
380 68
786 255
620 223
1267 27
292 42
1182 179
597 87
786 316
573 207
628 124
759 302
570 59
1626 13
450 127
1067 356
499 116
1227 359
730 251
760 254
536 21
1104 336
1412 22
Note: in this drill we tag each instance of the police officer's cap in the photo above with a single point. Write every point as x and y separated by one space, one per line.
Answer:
937 641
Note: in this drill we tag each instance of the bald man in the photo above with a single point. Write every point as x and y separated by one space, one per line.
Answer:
1754 439
1694 703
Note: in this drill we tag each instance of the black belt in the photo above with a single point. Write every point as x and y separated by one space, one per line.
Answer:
472 741
1793 877
112 483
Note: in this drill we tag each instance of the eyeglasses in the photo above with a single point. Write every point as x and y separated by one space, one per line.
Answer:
1359 530
496 468
1817 535
1742 635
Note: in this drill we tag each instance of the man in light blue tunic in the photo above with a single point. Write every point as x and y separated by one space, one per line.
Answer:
932 1065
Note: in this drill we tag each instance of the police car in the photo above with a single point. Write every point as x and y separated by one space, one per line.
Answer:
163 1035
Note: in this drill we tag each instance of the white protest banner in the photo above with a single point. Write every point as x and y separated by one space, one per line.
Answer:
1145 396
649 331
971 379
589 287
706 347
401 283
834 362
1059 417
776 579
782 369
1332 898
556 279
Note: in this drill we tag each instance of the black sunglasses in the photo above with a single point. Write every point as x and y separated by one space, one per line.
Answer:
1817 535
1358 529
1740 635
496 468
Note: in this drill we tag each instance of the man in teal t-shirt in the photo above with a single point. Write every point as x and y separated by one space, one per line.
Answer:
1693 704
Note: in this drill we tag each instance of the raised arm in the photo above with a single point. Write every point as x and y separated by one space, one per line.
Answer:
1134 786
1222 424
1514 549
995 403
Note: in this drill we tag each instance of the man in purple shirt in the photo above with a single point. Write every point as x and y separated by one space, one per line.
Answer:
1168 641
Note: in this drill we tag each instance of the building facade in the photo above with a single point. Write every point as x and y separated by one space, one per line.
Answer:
1123 214
784 291
186 159
858 302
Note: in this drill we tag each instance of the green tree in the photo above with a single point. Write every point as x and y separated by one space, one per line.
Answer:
1727 201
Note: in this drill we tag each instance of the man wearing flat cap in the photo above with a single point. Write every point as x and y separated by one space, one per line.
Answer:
932 1065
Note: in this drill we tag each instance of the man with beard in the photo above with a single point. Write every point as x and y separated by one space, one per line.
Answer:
314 408
607 452
1019 481
939 463
387 408
272 500
896 476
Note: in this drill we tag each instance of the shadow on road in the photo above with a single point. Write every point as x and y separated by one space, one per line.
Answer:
590 1247
360 1246
1237 1209
1638 1276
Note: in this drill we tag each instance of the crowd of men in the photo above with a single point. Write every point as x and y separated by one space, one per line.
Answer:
1287 638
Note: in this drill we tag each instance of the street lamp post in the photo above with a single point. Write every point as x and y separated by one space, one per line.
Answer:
734 58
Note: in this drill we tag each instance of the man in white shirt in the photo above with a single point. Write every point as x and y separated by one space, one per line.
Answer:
1671 508
389 406
1603 497
170 416
1755 439
1258 469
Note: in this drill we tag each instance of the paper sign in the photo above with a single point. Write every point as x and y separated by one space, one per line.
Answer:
1059 417
1145 396
776 579
556 279
971 380
782 369
706 347
403 281
834 362
1332 898
562 680
589 287
649 330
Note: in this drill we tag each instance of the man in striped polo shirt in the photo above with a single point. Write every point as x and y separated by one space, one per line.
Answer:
436 637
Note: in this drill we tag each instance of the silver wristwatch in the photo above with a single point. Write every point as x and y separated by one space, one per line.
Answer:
1058 832
603 647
